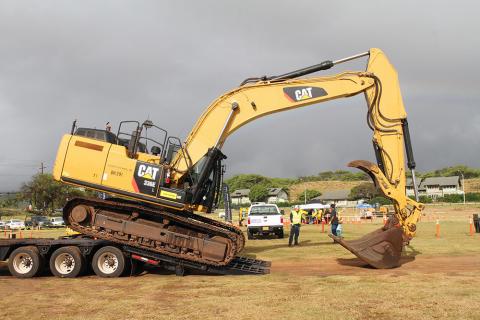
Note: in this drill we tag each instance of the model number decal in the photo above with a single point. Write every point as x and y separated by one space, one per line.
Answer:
146 178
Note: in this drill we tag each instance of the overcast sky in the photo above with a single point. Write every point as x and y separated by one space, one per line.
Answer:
99 61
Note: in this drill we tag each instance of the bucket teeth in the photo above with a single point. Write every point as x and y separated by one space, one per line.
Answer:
382 249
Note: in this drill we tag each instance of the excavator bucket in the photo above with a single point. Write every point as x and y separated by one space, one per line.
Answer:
381 248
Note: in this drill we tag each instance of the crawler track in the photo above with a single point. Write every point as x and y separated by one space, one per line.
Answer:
182 235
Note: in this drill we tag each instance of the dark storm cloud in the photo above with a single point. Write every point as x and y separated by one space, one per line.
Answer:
113 60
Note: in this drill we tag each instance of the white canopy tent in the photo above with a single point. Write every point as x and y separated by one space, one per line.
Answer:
309 206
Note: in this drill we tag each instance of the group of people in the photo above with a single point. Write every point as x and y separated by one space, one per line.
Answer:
297 216
315 216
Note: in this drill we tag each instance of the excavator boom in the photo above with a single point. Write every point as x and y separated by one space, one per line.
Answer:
386 116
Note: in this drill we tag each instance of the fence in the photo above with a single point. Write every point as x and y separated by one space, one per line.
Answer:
472 223
23 233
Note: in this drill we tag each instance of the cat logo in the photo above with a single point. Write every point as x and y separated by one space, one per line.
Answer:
146 178
147 172
303 94
296 94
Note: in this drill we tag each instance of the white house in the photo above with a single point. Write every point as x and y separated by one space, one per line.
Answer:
277 195
240 196
435 187
410 192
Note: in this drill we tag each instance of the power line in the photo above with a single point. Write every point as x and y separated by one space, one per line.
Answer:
19 160
19 165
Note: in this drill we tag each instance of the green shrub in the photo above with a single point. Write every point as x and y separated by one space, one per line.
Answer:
380 200
310 195
472 197
422 199
451 198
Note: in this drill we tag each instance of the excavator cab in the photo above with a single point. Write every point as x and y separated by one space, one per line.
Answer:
136 163
149 139
138 137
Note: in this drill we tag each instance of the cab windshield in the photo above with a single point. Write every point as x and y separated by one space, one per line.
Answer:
263 210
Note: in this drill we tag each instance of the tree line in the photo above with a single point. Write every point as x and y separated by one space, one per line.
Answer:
246 181
44 194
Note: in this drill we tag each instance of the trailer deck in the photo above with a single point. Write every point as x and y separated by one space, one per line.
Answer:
88 247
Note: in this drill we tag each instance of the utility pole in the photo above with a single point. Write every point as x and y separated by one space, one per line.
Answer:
42 167
463 185
305 195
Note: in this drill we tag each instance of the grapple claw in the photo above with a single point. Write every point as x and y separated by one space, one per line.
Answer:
382 248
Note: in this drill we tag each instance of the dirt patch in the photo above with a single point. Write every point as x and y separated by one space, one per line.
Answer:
354 266
472 185
297 189
449 265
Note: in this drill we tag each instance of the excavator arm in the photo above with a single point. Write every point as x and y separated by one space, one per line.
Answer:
386 116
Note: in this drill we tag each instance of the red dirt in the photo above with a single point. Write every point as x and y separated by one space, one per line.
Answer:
450 265
355 266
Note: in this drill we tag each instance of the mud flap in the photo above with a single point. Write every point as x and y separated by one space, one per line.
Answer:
382 248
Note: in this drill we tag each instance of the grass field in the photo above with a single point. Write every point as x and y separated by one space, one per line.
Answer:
317 280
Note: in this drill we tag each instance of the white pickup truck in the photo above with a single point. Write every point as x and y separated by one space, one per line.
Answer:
264 219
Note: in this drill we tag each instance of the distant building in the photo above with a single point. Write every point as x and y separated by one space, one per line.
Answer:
339 197
436 187
240 197
410 192
277 195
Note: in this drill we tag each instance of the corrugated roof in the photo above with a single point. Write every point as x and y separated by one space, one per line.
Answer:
334 195
246 192
274 191
240 193
409 182
440 181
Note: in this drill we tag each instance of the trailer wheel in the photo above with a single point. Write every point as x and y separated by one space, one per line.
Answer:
25 262
67 262
109 262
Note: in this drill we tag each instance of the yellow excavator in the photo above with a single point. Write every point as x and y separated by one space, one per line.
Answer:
157 183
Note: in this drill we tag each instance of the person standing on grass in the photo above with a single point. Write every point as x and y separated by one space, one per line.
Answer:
339 226
333 219
314 216
296 221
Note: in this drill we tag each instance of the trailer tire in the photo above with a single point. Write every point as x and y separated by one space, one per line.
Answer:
109 262
67 262
25 262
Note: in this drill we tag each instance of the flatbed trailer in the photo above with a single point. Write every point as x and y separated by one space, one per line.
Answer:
69 257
